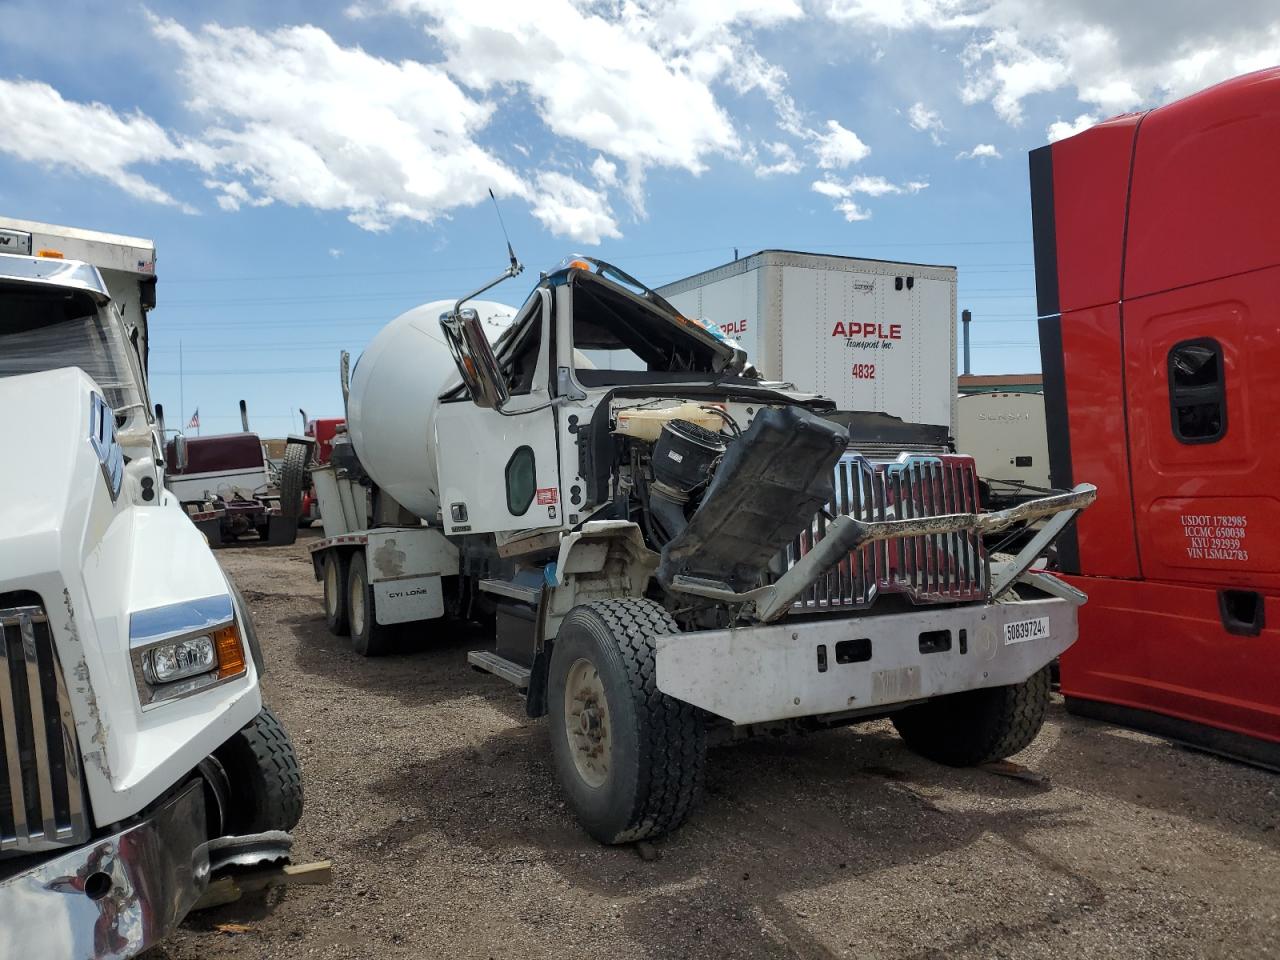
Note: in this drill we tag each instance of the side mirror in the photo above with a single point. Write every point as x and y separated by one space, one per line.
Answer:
179 454
474 357
160 421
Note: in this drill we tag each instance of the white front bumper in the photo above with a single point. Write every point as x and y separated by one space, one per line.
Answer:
762 673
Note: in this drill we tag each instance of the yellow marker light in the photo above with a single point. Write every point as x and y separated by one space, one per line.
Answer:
579 265
231 661
51 254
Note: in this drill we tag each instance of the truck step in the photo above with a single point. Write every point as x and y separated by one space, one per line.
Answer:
499 666
524 592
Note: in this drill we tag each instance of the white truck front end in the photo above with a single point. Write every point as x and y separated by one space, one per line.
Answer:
126 659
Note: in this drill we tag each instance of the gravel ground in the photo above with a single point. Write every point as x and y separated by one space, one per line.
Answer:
433 795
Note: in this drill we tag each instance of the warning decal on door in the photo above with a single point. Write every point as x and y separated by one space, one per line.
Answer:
548 496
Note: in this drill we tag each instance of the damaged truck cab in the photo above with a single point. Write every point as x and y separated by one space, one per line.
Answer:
673 549
131 720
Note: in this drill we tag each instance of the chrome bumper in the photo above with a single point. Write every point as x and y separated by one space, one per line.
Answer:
830 665
113 897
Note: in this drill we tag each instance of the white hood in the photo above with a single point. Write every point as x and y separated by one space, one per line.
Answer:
53 488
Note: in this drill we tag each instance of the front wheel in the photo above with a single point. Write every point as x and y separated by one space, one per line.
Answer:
629 757
978 726
264 778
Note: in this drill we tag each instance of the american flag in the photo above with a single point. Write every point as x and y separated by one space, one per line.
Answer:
194 423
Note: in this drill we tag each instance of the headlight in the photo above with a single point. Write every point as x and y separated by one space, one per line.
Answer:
175 661
185 647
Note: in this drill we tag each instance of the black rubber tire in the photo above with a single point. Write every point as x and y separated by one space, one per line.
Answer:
333 574
979 726
266 782
369 639
658 744
294 478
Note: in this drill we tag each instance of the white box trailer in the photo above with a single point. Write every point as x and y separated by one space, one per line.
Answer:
871 335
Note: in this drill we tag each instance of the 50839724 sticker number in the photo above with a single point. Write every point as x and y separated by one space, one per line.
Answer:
1020 631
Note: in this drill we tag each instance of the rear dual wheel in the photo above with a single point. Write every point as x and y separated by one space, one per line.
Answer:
368 637
333 574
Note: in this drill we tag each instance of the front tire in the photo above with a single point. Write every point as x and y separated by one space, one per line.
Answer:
334 574
368 637
629 757
978 726
264 777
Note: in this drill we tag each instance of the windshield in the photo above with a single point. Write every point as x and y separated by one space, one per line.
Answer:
44 329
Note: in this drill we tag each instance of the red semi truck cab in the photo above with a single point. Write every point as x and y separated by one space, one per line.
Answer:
1157 253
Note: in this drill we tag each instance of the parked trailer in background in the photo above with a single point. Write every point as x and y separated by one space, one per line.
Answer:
1158 279
1005 435
870 335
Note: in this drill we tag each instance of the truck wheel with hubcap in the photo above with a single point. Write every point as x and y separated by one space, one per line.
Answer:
334 575
629 757
977 726
264 778
368 637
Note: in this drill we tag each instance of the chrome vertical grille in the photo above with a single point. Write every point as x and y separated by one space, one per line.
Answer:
936 568
41 797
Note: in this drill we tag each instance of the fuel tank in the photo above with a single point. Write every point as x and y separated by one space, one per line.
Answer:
394 389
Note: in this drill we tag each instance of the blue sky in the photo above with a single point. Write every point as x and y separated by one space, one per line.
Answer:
309 171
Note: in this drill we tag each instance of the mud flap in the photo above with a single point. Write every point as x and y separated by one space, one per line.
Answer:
281 531
771 483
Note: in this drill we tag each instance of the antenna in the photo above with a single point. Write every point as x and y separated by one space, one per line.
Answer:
498 210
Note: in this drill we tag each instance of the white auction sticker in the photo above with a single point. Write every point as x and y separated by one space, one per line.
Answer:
1021 631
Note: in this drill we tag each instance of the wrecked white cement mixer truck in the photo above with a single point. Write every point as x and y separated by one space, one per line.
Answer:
672 550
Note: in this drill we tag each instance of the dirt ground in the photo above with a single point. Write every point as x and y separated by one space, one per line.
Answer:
433 795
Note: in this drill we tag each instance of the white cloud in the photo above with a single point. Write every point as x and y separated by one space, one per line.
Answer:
571 209
844 192
90 138
904 14
838 147
633 82
1114 56
305 121
1061 129
335 252
926 121
871 186
784 160
852 212
983 151
605 171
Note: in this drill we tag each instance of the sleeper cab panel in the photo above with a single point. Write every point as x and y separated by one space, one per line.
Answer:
1204 203
1090 185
